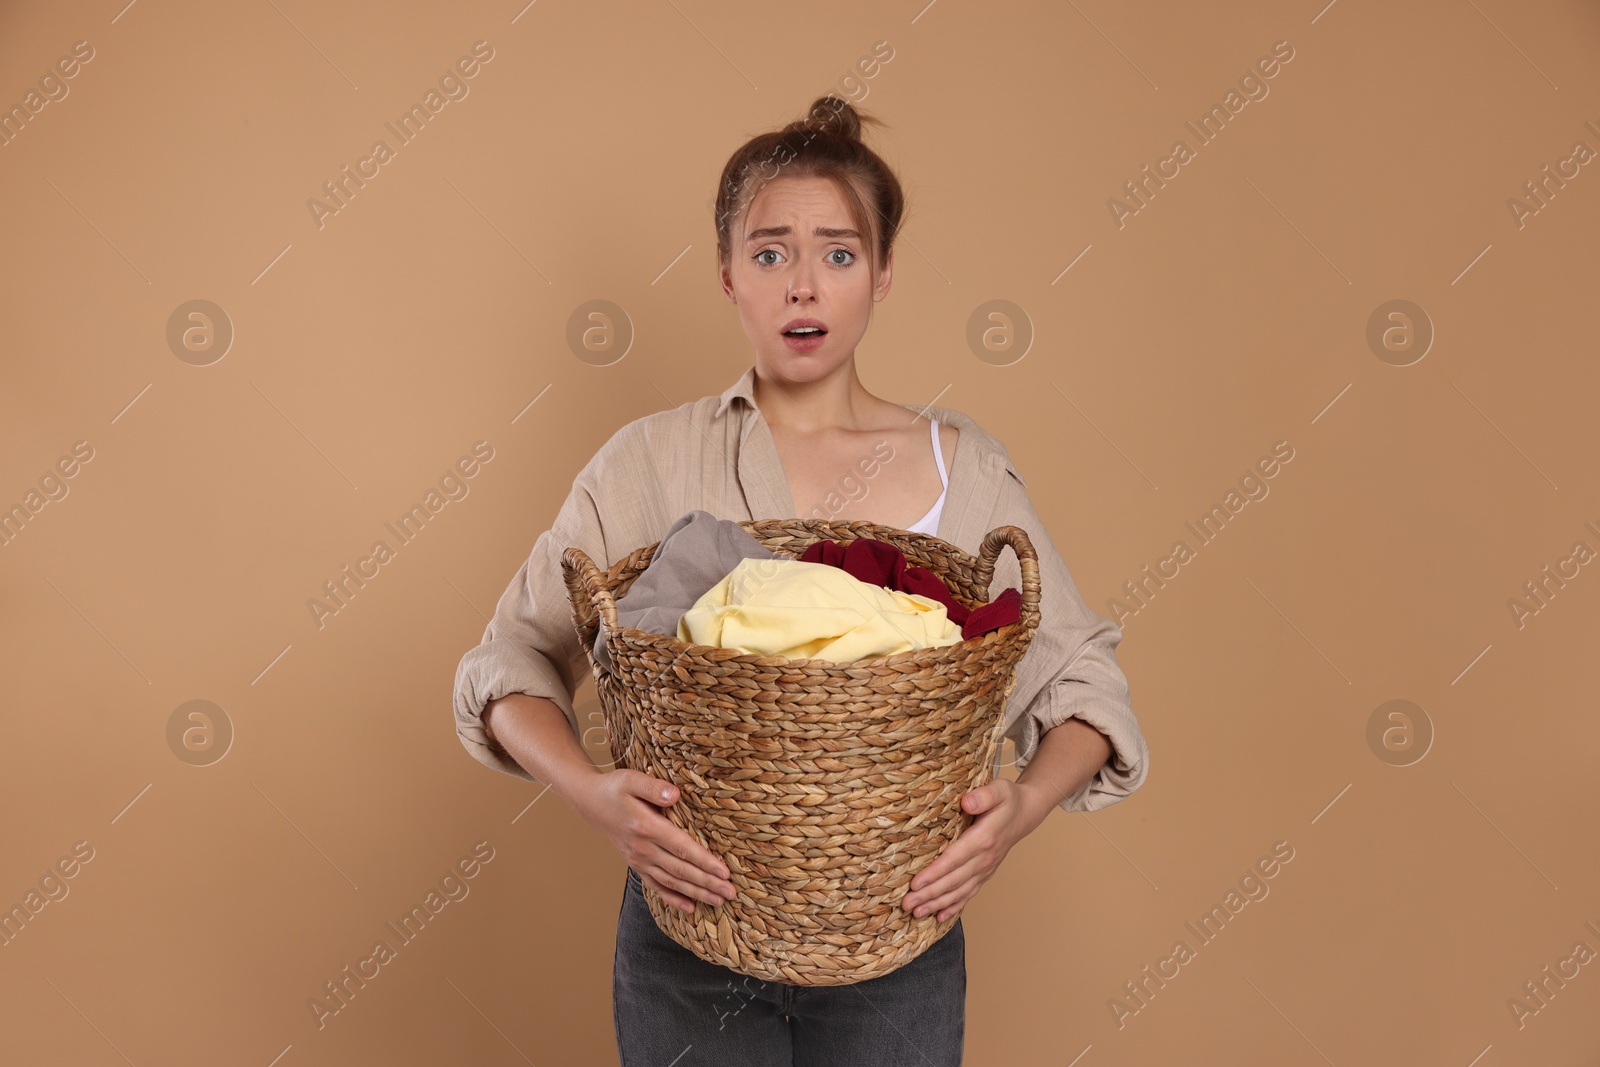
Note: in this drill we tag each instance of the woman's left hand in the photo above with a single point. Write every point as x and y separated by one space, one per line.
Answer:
1005 812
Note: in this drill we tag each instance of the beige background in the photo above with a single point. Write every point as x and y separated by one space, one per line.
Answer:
1231 312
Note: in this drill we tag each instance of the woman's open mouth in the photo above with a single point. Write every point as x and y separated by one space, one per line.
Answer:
804 335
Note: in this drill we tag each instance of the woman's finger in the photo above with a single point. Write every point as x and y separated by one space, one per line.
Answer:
955 854
958 895
944 884
689 880
678 901
693 865
699 864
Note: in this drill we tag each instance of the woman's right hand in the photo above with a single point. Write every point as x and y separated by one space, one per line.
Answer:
625 804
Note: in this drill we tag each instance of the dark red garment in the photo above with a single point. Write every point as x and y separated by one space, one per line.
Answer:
880 563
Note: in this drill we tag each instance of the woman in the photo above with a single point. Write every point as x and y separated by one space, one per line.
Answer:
806 220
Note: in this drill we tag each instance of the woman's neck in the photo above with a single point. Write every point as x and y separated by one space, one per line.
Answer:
836 402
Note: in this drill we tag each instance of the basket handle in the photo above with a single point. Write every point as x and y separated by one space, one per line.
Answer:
1027 562
591 598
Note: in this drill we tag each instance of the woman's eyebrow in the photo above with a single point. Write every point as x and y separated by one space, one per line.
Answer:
785 230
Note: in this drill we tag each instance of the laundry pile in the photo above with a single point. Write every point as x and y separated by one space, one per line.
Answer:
711 583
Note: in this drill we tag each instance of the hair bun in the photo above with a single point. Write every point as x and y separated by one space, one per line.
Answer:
833 114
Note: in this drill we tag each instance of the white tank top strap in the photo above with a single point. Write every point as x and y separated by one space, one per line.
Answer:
929 523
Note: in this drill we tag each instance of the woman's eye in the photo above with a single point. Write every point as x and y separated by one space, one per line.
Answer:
843 252
765 252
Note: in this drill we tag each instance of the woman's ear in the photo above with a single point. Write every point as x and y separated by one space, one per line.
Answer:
725 276
885 278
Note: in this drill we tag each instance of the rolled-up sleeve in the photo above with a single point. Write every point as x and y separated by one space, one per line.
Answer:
1070 670
531 645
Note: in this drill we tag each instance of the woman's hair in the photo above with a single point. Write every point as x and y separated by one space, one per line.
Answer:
824 144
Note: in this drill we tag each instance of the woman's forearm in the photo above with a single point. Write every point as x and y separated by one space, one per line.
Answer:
1068 756
534 731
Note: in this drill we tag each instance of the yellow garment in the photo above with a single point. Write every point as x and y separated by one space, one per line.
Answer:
787 607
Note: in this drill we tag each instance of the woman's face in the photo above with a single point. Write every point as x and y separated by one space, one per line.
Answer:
796 255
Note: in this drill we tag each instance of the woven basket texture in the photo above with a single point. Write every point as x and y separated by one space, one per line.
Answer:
824 786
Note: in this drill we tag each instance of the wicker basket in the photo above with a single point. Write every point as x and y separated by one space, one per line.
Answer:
824 786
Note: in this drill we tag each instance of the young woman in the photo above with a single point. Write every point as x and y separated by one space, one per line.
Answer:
806 220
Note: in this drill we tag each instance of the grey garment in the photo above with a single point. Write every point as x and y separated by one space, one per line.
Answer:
696 552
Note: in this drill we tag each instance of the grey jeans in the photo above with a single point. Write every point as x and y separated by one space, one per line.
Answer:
673 1009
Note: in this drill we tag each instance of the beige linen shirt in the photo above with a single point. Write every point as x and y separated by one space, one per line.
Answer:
717 454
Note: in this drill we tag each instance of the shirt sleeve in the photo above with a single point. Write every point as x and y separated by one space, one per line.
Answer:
1070 670
531 645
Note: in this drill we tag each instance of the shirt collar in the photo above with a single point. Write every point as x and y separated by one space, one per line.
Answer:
744 387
